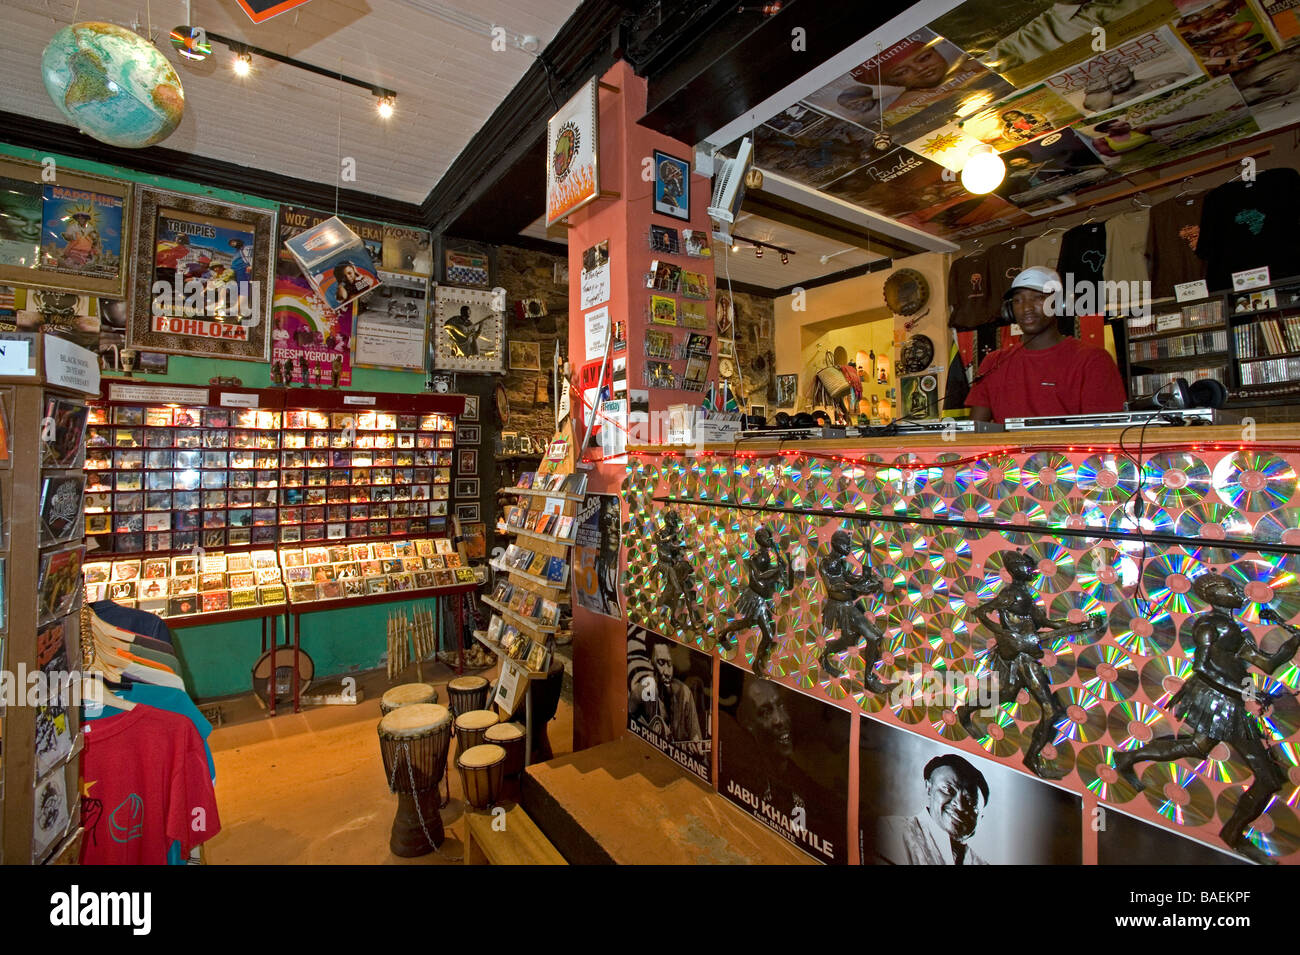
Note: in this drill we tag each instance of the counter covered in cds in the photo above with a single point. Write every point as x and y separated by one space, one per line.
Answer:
1059 648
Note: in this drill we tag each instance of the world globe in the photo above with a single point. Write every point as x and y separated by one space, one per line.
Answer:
113 84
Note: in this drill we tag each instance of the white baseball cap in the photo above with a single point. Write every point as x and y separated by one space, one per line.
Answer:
1036 277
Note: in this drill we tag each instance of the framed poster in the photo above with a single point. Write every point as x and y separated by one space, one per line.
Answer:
572 137
390 330
200 276
672 186
467 487
72 233
407 250
525 356
468 332
471 408
467 266
468 434
467 463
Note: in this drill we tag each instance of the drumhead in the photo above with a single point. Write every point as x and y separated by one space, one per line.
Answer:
504 733
476 719
414 720
409 693
477 757
467 683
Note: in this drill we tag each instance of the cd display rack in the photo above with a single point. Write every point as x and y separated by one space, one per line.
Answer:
41 487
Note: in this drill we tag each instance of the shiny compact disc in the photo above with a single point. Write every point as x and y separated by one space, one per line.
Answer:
1254 480
1048 476
1107 672
1096 766
1174 479
1178 794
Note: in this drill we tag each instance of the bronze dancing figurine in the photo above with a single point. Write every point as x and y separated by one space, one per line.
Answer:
1212 706
841 611
1018 652
675 571
768 567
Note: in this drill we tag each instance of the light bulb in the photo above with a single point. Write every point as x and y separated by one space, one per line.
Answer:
385 107
984 170
758 251
243 64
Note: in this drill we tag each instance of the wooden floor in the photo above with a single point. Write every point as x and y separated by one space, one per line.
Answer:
309 788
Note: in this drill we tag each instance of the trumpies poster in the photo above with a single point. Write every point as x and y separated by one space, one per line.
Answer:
783 758
208 263
670 699
923 802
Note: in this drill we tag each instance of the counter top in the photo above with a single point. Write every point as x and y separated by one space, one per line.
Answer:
1064 438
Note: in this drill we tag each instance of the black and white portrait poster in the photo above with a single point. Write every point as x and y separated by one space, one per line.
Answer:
921 802
595 555
783 758
670 699
1123 840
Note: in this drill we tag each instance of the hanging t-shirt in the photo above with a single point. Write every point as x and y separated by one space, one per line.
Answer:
1044 250
1247 225
1006 260
1126 247
146 784
1171 243
1068 378
129 618
1083 262
968 291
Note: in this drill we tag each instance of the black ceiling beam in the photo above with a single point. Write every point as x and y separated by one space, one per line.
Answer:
46 137
790 213
702 83
512 143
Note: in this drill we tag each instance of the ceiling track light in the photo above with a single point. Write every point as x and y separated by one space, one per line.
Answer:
758 246
387 103
243 64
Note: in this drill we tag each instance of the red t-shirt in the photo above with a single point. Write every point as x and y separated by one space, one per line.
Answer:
145 784
1068 378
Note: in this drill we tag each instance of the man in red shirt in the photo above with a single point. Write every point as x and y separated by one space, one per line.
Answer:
1046 373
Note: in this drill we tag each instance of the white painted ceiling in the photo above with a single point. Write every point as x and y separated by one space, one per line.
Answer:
437 55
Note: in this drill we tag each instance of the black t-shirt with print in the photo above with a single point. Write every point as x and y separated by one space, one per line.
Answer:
1171 243
1247 225
968 291
1083 256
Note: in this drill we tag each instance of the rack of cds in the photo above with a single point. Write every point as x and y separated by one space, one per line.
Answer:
41 489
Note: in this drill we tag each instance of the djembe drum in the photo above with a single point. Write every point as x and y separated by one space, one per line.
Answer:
482 769
467 693
510 737
414 740
405 695
471 726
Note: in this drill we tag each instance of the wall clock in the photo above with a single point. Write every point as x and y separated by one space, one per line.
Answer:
469 330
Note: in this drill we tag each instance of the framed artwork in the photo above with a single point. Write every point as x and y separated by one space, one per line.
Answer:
469 330
525 356
467 266
467 487
787 390
214 261
572 140
509 442
471 408
468 463
468 434
467 512
389 326
72 234
672 186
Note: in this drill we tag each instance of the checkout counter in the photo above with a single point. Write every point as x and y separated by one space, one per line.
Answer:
1115 527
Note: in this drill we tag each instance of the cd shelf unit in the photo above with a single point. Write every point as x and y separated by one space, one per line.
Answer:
532 583
224 501
1249 341
41 485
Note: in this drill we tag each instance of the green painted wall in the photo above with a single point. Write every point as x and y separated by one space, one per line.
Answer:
219 659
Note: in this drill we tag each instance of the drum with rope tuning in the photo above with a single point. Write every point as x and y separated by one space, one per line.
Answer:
414 741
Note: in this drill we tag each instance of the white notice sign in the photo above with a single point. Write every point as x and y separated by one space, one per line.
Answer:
68 365
597 323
